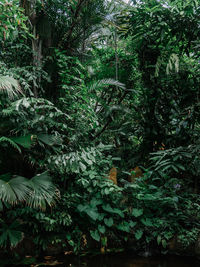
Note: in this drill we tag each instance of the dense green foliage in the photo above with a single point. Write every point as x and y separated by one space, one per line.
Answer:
86 86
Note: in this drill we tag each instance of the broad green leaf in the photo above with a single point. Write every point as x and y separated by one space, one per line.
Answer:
82 166
95 235
158 239
93 214
24 141
104 241
49 140
137 212
132 224
109 222
102 228
164 243
82 208
95 202
124 226
109 209
119 212
147 222
138 234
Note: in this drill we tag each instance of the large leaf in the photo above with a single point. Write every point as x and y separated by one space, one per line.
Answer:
137 212
10 234
24 141
43 191
93 214
109 209
10 86
124 226
36 192
109 222
138 234
49 140
95 235
102 228
147 222
15 190
96 85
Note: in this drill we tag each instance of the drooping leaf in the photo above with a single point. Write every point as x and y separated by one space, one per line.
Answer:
95 235
101 229
158 239
138 234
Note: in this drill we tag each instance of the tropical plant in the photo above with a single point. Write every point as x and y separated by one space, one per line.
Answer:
97 90
10 86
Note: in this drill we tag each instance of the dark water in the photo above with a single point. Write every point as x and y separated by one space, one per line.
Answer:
119 260
128 261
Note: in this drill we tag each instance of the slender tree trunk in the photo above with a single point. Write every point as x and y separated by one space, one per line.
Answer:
35 56
116 58
29 6
37 60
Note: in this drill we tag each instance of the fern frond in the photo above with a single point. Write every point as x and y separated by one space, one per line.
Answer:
4 139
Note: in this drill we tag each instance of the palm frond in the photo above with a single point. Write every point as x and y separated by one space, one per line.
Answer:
10 86
43 191
4 139
96 85
37 192
14 191
10 234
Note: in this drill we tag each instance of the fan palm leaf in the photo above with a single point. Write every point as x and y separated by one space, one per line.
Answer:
15 190
43 191
37 192
10 234
10 86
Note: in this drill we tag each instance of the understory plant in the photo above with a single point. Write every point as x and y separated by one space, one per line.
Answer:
90 92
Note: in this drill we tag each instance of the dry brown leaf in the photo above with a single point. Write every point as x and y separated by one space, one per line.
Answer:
113 175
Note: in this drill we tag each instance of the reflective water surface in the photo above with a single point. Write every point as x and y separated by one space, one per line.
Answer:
119 260
122 260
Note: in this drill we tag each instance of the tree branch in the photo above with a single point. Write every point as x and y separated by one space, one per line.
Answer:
110 119
67 36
